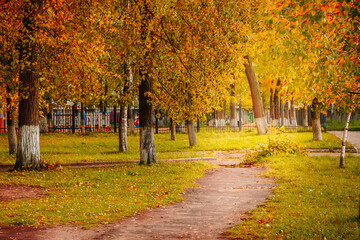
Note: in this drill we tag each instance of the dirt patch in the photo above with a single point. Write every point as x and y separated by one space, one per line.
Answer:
16 192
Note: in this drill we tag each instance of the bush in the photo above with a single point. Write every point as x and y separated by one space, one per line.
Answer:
278 143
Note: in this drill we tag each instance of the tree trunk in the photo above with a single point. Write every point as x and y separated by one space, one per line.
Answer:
123 129
28 150
43 125
131 120
172 130
272 107
233 122
256 97
343 145
191 133
315 120
277 107
82 119
222 122
305 117
286 114
293 114
348 116
147 143
50 122
10 118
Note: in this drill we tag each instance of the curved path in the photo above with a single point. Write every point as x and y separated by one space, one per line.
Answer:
353 138
223 197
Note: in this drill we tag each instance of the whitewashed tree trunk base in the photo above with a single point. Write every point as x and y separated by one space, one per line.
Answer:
123 129
233 124
261 125
28 152
147 146
343 146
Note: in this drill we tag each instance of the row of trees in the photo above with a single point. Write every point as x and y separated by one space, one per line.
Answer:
184 57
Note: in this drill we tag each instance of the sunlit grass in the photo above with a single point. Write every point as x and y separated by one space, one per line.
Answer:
315 200
64 148
97 195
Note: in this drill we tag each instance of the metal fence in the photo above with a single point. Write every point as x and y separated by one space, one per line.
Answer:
67 119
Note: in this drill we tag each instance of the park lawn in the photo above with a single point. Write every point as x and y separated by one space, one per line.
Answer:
63 148
315 200
339 126
91 196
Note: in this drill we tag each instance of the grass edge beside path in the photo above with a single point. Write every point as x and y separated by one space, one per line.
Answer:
93 196
315 200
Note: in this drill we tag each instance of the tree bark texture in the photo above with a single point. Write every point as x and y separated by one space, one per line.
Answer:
293 114
256 97
82 119
343 145
172 130
147 144
277 107
191 132
43 125
123 129
10 119
28 150
286 114
315 120
131 120
233 122
305 117
272 106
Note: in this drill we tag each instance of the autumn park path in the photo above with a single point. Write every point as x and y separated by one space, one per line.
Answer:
222 198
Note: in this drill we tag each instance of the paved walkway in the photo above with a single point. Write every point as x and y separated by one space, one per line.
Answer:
353 138
223 197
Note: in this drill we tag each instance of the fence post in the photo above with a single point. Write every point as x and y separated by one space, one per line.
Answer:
282 114
73 118
240 117
115 118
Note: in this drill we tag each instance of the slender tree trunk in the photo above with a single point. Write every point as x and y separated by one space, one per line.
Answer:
123 129
343 145
258 108
286 114
50 122
10 119
131 120
191 132
172 130
223 115
293 114
315 120
272 107
233 122
43 125
28 150
305 117
82 119
277 106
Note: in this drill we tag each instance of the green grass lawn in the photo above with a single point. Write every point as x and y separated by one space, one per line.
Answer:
315 200
339 126
97 195
64 148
